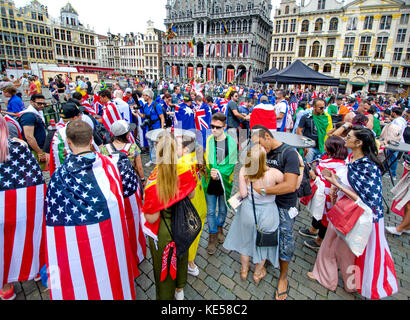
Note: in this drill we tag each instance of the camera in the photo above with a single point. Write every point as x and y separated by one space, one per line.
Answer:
147 123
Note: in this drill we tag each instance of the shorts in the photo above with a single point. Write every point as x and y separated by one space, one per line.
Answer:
286 240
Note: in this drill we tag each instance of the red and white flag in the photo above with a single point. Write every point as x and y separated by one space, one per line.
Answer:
88 251
22 192
111 115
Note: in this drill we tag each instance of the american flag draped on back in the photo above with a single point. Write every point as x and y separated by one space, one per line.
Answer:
293 103
111 114
14 122
88 251
133 203
377 276
22 191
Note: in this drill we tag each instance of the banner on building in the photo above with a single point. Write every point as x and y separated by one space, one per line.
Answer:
210 74
167 71
229 50
219 74
234 53
230 75
218 48
190 72
240 50
174 72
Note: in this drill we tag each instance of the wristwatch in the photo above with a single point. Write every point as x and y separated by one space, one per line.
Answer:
263 192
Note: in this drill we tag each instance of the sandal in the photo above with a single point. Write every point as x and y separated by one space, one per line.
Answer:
244 273
257 277
283 293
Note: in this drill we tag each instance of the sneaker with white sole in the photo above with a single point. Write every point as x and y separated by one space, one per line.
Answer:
307 233
8 295
179 295
394 231
149 164
37 278
312 245
193 272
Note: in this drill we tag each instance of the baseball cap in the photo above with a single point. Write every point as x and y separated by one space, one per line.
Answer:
128 90
187 98
122 127
70 110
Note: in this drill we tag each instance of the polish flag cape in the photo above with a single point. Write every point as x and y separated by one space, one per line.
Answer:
186 184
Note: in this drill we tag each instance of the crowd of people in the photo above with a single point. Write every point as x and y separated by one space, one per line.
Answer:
92 223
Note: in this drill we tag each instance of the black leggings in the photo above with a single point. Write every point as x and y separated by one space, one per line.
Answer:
318 225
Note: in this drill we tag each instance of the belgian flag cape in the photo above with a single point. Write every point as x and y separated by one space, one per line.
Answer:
186 184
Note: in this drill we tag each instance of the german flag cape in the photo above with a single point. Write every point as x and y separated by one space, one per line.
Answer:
186 184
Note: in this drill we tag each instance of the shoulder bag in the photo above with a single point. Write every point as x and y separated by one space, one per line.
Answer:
264 239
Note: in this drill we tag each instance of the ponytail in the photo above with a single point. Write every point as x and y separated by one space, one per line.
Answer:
167 179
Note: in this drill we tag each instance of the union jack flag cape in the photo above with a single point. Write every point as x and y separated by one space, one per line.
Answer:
88 253
97 104
377 276
203 118
22 191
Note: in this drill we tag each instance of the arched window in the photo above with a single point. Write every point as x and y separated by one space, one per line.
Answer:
239 26
333 24
228 26
305 26
319 24
218 28
286 9
212 27
233 26
315 49
327 68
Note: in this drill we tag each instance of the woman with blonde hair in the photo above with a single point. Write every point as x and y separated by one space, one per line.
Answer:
169 183
242 234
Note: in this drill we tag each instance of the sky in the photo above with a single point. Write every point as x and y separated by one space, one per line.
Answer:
118 16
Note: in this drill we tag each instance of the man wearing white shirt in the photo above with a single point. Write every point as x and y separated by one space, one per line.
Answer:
281 108
399 121
122 106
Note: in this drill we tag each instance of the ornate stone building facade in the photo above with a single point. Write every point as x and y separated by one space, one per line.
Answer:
13 48
75 44
153 52
39 37
223 41
132 54
365 43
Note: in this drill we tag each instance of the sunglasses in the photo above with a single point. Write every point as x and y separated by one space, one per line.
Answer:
216 127
41 103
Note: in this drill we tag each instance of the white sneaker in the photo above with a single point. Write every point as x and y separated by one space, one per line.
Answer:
37 278
193 272
394 231
149 164
179 295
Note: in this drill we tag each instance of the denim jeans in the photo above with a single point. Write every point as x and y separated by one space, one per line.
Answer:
393 169
215 220
152 151
286 239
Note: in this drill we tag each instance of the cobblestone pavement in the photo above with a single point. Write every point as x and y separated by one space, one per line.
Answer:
219 277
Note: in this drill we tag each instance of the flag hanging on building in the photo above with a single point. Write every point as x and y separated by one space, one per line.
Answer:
88 251
225 28
22 192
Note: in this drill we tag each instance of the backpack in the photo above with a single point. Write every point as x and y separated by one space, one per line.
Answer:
303 186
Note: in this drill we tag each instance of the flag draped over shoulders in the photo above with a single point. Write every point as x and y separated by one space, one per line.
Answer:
377 276
323 124
22 192
152 204
225 168
88 251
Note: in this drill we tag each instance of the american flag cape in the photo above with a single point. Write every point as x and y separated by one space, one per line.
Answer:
97 104
22 192
111 114
293 103
88 253
91 109
376 276
222 104
133 203
14 123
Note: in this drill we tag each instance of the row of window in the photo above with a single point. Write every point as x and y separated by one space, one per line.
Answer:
12 37
38 29
151 62
12 24
352 23
41 54
44 42
17 52
285 26
132 63
151 48
65 35
76 52
378 70
131 52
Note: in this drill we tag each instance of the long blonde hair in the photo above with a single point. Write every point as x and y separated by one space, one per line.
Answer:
255 166
167 179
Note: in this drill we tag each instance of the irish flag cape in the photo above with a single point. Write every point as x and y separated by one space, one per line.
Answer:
186 184
226 168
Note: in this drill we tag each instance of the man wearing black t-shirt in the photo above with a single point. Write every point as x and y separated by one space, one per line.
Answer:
286 197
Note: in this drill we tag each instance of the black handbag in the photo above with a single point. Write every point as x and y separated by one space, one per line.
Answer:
264 239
